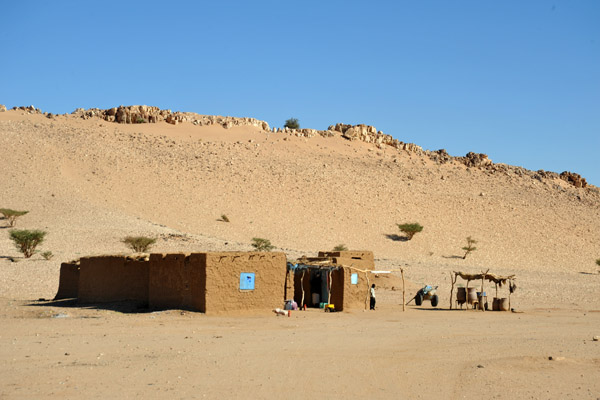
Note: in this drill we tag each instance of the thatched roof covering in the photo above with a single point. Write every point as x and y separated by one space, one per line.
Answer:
501 280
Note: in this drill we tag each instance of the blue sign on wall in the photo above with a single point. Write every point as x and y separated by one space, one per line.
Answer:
247 281
354 279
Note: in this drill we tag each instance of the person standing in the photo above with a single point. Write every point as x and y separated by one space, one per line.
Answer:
372 296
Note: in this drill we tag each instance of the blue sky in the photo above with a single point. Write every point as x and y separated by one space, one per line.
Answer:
518 80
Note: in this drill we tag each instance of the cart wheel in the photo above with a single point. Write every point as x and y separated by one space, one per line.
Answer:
434 300
419 299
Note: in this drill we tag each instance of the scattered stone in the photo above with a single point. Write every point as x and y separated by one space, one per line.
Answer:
480 366
596 338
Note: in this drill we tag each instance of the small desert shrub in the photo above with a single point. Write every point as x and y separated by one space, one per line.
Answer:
261 244
140 120
224 218
469 247
26 241
12 215
292 123
598 262
410 229
340 247
139 244
47 255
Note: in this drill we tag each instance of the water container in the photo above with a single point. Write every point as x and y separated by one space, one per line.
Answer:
472 295
503 304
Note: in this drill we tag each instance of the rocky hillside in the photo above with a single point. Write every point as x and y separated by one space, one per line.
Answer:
85 174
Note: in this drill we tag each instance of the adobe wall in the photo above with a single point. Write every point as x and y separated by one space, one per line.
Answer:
223 281
68 284
113 278
355 295
358 259
177 281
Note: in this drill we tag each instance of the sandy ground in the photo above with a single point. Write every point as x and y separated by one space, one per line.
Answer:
53 352
89 183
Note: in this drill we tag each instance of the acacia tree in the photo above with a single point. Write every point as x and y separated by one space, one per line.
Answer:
292 123
26 241
12 215
410 230
261 244
469 247
340 247
139 244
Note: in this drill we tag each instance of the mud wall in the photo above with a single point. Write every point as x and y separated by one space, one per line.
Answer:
359 259
113 278
177 281
223 271
68 284
355 295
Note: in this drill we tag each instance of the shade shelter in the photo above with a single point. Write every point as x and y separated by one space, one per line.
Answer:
498 281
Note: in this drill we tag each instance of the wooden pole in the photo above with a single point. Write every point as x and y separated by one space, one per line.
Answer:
467 294
481 307
302 286
403 291
368 290
452 279
509 282
329 291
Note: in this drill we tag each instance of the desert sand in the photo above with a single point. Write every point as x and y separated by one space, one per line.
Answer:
91 182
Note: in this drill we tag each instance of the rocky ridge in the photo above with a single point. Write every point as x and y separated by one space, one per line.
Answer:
138 114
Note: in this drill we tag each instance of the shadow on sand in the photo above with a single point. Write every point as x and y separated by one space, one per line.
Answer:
396 238
125 307
453 257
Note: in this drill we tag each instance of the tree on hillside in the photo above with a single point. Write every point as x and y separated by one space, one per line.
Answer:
139 244
292 123
598 262
261 244
469 247
12 215
26 241
410 230
340 247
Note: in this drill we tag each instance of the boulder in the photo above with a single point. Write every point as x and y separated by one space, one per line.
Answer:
574 179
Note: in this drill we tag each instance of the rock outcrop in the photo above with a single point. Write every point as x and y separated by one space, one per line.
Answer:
477 160
149 114
30 109
574 179
2 108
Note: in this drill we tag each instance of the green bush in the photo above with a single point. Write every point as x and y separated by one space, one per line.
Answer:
224 218
410 230
26 241
340 247
139 244
12 215
47 255
469 247
261 244
292 123
598 262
